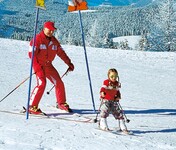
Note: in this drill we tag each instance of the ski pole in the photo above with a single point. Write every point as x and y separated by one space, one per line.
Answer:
15 88
127 120
86 58
61 78
95 120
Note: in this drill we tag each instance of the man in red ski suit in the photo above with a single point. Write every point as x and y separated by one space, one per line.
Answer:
45 50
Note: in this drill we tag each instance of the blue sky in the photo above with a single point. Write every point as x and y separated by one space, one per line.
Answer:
113 2
119 2
93 2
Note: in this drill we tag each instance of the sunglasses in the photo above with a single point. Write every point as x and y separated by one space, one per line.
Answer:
113 76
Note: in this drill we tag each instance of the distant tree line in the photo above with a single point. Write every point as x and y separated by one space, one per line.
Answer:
155 23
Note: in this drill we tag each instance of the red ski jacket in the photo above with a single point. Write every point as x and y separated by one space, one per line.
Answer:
45 51
110 89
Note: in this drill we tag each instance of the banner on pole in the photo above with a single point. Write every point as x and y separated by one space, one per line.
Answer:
74 5
40 4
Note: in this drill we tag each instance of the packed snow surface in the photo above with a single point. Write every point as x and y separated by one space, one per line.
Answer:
148 98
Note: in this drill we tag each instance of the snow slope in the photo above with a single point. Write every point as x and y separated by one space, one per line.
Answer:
148 97
133 41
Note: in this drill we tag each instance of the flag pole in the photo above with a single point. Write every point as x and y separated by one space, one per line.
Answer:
87 65
33 46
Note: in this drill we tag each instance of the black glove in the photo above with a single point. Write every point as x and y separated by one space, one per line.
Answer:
116 98
71 67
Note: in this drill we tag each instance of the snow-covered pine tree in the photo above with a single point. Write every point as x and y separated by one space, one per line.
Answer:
92 38
162 36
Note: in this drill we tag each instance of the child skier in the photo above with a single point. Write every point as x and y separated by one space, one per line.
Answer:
110 96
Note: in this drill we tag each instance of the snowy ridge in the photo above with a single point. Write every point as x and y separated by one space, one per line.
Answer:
18 21
148 98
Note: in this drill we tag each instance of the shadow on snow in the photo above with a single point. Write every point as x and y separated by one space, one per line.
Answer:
155 131
152 111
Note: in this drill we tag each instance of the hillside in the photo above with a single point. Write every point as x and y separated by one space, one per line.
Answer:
18 19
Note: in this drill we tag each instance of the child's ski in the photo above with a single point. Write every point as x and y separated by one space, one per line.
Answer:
117 132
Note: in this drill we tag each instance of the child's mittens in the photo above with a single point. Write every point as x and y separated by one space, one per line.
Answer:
119 85
102 94
116 98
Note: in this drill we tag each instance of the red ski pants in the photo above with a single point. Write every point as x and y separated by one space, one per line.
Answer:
48 72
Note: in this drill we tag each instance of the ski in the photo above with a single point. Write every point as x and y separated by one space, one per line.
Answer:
116 132
51 116
66 113
61 111
20 113
73 112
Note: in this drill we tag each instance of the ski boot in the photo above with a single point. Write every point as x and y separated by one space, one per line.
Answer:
64 106
103 124
35 110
